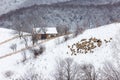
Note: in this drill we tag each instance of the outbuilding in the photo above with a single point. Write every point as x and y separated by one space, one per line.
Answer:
45 32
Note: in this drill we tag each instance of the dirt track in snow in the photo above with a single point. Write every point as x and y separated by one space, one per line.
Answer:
26 48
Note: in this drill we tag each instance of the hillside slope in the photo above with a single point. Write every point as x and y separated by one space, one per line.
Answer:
46 62
87 16
9 5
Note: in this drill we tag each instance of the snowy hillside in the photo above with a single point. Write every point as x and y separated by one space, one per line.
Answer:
46 62
8 38
8 5
5 34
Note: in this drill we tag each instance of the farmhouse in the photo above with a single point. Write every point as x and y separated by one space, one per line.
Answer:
45 32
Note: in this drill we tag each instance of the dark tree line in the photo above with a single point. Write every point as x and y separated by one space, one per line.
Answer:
87 17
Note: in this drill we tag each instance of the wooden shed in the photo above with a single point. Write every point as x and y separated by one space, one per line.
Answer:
46 32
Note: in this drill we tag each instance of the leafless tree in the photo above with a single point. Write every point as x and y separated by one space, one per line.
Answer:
24 56
34 36
19 28
78 30
62 29
57 41
67 70
13 47
25 40
31 74
66 38
109 72
89 72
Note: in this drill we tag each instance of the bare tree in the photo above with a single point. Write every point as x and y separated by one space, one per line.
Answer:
24 56
34 36
109 72
78 30
26 41
62 29
66 38
19 28
67 70
89 72
58 41
31 74
13 47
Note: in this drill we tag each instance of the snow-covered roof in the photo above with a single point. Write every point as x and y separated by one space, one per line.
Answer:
48 30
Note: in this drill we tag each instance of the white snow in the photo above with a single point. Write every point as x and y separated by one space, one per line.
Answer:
46 62
5 34
48 30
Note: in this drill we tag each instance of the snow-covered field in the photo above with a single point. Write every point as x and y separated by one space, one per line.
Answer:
7 34
46 62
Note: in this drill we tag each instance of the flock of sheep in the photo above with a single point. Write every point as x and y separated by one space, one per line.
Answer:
86 45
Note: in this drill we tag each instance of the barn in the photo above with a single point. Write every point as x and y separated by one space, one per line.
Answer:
45 32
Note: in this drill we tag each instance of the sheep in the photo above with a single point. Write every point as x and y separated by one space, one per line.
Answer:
83 40
91 51
94 40
99 42
68 46
106 41
110 38
86 52
85 46
90 39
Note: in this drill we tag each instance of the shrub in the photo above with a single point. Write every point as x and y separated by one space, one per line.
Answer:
39 51
8 74
79 30
66 38
13 47
31 75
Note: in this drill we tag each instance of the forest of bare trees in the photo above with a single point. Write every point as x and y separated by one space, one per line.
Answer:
68 69
52 15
